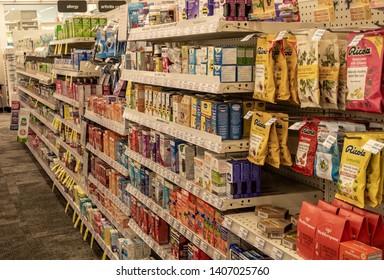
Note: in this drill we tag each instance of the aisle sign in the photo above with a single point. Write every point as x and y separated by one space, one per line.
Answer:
106 6
71 6
22 132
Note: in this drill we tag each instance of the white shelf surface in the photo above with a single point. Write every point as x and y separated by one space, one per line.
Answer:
77 40
208 28
245 226
36 75
67 100
199 138
162 251
201 83
115 126
71 150
99 240
164 214
69 123
37 97
124 208
124 171
74 73
38 116
49 144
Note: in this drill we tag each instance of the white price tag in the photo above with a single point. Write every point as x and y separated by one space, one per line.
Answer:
318 35
196 191
216 255
189 235
196 240
189 186
281 35
328 142
297 125
176 225
227 223
356 40
207 196
373 146
248 37
270 121
163 254
220 203
204 246
248 115
259 243
277 254
243 233
163 215
183 230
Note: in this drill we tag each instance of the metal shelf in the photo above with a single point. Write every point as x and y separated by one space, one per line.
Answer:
161 251
78 40
67 100
35 75
244 225
37 97
70 124
208 28
124 208
115 126
49 144
124 171
201 83
38 116
190 235
74 73
203 139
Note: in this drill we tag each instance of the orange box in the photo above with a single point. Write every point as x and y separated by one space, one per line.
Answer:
355 250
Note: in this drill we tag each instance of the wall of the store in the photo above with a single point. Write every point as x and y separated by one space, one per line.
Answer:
3 43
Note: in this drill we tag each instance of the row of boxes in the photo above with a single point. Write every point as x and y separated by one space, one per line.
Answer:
107 106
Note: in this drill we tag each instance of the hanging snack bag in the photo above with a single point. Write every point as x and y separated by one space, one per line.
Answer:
329 66
273 157
327 159
305 155
308 71
342 91
258 142
290 53
354 161
264 77
280 71
281 125
364 69
373 180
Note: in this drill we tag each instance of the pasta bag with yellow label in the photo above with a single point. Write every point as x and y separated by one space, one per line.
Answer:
273 156
282 125
259 136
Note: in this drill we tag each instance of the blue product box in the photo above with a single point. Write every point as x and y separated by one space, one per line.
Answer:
206 8
255 180
192 69
192 9
131 169
142 179
233 179
175 154
245 178
235 251
192 55
198 114
166 197
137 175
220 117
133 14
225 55
235 121
146 182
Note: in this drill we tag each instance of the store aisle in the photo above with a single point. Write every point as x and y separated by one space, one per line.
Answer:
33 224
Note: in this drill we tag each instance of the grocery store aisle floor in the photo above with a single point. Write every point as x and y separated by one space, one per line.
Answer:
33 224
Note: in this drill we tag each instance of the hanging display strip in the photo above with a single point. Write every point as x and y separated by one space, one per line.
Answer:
49 144
38 116
71 150
76 74
115 126
203 139
100 241
201 83
73 41
38 98
245 226
69 123
126 232
164 214
67 100
162 251
124 208
124 171
74 176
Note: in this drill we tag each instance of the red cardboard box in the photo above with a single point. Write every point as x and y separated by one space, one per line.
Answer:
327 207
306 229
330 232
359 225
355 250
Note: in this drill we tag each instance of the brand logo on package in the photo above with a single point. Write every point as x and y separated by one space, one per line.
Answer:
352 150
359 51
261 51
106 6
308 131
72 6
260 124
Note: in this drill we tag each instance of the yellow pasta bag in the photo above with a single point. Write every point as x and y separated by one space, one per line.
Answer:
258 141
380 193
373 180
282 125
280 71
290 53
264 67
354 161
273 157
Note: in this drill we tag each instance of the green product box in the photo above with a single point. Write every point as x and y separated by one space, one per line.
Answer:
77 26
241 55
103 22
249 55
94 23
68 30
86 27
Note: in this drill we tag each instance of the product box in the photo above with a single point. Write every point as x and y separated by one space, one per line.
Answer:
306 229
206 8
210 60
227 73
274 226
185 112
192 69
77 26
195 118
235 121
199 170
220 118
176 104
359 225
249 55
186 161
200 217
355 250
202 69
218 174
184 59
192 56
255 180
270 211
231 9
86 27
207 184
174 145
233 180
241 55
225 55
244 73
206 116
192 9
192 225
165 150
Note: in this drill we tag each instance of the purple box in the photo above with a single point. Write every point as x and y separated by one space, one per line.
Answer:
255 180
175 154
229 9
243 9
157 144
245 178
146 143
192 9
153 145
233 178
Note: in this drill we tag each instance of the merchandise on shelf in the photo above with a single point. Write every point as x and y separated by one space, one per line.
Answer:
79 26
238 253
108 106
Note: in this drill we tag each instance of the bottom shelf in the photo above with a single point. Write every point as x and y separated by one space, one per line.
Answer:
107 249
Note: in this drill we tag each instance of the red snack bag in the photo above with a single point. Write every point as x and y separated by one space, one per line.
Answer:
327 207
364 68
306 228
359 225
330 232
305 155
341 204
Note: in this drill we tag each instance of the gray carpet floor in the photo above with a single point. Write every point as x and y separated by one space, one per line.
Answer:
33 224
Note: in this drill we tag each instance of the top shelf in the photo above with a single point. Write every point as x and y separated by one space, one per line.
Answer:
79 40
208 28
